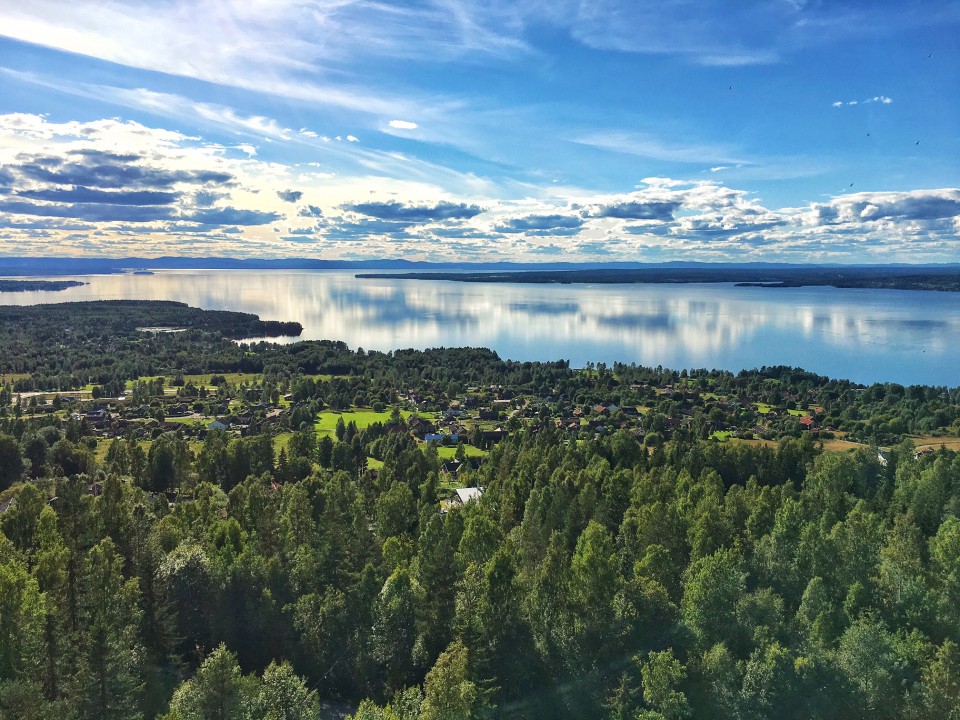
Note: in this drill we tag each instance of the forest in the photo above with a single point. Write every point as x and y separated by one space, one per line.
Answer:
600 574
32 285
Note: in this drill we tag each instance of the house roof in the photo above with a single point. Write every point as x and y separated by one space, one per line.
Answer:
465 495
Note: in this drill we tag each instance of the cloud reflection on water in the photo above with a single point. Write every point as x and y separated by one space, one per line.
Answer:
863 334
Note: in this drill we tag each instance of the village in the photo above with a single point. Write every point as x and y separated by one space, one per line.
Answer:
472 421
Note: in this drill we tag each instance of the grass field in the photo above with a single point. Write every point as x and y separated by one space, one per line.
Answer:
721 435
13 377
839 445
280 441
448 453
925 441
327 424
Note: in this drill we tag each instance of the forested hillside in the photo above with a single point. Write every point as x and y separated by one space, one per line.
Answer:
646 567
590 580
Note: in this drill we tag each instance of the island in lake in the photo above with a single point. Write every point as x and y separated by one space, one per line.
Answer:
876 277
34 285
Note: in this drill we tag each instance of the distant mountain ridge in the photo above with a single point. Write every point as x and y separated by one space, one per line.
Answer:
39 266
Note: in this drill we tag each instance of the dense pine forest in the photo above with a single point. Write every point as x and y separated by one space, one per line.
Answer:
640 542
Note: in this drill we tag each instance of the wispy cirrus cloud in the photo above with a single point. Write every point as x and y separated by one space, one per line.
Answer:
656 147
875 100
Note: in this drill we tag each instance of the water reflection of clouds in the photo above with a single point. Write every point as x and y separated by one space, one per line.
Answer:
824 329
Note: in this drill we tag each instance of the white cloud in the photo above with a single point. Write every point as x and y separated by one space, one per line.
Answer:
282 47
352 138
248 206
403 125
878 99
649 145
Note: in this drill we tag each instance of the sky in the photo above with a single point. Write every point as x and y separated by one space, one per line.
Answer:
482 130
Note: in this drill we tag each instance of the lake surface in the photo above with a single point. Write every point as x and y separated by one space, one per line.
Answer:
865 335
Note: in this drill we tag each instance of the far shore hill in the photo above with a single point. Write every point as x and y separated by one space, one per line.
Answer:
940 278
943 277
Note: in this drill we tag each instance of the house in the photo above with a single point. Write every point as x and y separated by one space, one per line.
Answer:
420 427
216 425
807 422
450 467
493 436
464 495
883 457
99 418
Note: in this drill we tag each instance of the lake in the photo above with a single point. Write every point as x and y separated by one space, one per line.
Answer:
864 335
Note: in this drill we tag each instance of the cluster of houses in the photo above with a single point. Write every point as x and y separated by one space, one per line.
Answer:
116 418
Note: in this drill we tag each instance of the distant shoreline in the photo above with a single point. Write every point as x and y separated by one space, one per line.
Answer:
37 285
880 278
73 266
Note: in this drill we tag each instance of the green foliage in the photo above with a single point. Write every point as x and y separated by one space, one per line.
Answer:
449 694
599 575
662 674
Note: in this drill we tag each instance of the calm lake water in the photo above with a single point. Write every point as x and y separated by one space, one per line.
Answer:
865 335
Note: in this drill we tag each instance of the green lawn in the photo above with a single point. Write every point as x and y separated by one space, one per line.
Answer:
327 424
798 413
448 453
280 441
13 377
763 408
721 435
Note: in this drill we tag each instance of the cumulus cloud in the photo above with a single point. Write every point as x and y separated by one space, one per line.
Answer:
90 212
541 225
367 229
79 194
311 211
637 210
96 170
415 213
111 186
875 206
403 125
231 216
290 196
206 198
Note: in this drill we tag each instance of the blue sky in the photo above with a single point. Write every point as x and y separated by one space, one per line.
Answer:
777 130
